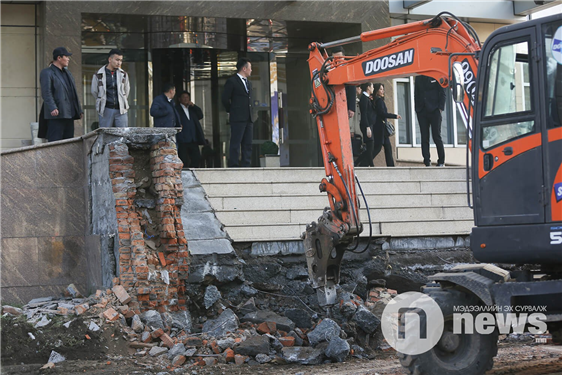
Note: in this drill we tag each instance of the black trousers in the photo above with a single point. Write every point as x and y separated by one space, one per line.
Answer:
378 145
189 154
366 158
241 134
431 120
58 129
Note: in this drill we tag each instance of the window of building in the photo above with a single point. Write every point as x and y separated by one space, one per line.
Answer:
453 131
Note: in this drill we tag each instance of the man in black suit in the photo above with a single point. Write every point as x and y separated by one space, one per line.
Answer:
429 99
61 105
237 100
191 135
350 90
163 109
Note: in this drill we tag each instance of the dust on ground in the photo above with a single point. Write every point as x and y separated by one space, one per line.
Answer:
107 352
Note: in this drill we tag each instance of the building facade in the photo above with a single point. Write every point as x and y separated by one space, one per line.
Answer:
195 45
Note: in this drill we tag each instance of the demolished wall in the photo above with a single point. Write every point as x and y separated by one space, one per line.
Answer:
136 179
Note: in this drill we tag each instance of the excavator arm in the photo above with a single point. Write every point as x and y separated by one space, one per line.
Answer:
427 47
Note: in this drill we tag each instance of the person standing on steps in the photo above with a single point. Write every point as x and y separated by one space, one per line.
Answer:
429 98
237 100
381 136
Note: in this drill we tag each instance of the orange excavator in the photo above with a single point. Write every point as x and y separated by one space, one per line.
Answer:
509 94
426 47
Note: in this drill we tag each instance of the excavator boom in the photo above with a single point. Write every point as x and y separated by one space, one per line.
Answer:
423 48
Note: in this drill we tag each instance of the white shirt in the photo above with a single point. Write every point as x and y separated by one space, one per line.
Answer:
365 93
243 81
186 110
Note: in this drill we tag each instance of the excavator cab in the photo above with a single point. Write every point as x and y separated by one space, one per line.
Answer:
517 146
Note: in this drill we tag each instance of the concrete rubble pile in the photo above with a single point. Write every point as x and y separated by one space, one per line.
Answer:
223 332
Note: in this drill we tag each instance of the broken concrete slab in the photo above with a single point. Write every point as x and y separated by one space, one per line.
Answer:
212 295
263 358
301 317
253 346
207 247
366 320
324 331
177 349
226 322
181 320
152 318
277 248
303 355
257 317
338 349
157 351
136 324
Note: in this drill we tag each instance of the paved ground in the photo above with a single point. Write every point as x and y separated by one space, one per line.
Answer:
513 358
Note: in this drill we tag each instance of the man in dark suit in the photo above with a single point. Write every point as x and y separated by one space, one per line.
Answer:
163 109
237 100
350 90
429 99
191 135
61 105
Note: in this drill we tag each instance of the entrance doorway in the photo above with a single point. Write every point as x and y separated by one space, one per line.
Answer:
203 72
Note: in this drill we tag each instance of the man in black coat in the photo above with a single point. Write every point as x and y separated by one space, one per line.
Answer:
61 105
191 135
237 100
163 109
350 90
429 99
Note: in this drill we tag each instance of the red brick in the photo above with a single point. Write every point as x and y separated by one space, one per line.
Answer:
157 333
267 327
121 294
111 314
229 355
178 360
162 259
167 340
287 341
240 359
214 347
81 309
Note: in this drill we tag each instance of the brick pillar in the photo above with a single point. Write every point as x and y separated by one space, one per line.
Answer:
132 256
166 174
154 278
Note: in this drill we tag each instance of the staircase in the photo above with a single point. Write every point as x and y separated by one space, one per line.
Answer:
276 204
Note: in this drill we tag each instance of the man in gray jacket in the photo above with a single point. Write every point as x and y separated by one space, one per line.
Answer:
60 98
110 88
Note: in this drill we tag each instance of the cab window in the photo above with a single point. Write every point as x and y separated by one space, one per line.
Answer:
508 92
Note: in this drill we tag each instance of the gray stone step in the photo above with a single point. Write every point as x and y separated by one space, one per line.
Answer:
286 232
420 214
273 175
319 200
271 204
267 189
